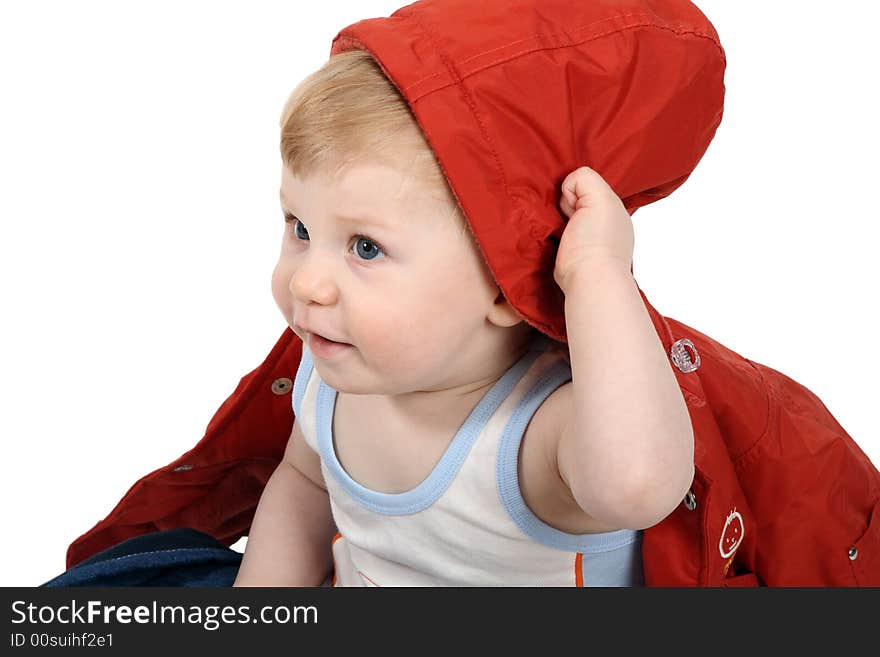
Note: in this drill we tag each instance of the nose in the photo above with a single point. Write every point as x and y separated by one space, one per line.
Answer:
312 282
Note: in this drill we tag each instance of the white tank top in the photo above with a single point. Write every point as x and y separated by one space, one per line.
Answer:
466 523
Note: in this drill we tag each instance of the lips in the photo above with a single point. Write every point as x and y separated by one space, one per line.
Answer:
328 339
308 331
325 349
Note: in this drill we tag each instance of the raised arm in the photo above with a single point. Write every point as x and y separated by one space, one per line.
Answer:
626 451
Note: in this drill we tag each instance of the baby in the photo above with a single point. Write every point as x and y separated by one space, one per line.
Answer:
439 438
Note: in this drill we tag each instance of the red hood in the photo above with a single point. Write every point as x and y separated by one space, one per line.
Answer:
512 95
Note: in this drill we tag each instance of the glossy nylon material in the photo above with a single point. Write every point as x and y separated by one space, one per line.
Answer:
512 95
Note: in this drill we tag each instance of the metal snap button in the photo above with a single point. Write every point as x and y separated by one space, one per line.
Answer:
282 386
681 358
690 500
853 554
181 468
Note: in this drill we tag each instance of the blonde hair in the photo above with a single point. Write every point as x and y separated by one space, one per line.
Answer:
349 110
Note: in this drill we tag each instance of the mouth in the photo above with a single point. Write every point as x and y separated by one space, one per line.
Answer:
320 346
325 349
321 338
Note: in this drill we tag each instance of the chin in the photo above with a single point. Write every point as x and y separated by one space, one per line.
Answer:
342 383
351 386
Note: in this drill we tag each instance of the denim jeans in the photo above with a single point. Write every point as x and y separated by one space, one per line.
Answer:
174 557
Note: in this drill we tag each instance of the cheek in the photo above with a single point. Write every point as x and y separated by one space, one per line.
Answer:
280 278
390 323
465 285
382 320
442 302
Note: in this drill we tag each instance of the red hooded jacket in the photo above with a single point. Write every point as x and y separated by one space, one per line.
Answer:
512 95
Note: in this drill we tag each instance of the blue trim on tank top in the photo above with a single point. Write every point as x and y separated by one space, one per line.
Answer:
302 378
433 486
508 478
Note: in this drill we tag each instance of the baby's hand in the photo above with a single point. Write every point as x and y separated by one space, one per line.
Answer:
599 229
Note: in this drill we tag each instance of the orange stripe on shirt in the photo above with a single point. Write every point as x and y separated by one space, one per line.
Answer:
335 538
579 570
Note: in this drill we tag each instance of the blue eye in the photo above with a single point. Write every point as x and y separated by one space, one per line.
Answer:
300 231
367 248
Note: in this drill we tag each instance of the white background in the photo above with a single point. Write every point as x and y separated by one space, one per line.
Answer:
139 174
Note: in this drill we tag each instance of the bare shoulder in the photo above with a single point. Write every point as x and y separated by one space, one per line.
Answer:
541 485
301 457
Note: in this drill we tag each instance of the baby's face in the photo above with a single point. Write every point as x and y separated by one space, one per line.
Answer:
375 260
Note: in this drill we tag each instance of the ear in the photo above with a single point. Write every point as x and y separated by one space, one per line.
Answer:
501 313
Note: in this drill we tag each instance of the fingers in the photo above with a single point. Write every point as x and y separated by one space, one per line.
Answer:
582 188
566 205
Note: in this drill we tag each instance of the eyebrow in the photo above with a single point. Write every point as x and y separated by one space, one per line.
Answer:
361 220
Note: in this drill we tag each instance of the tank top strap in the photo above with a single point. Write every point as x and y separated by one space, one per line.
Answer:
305 390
